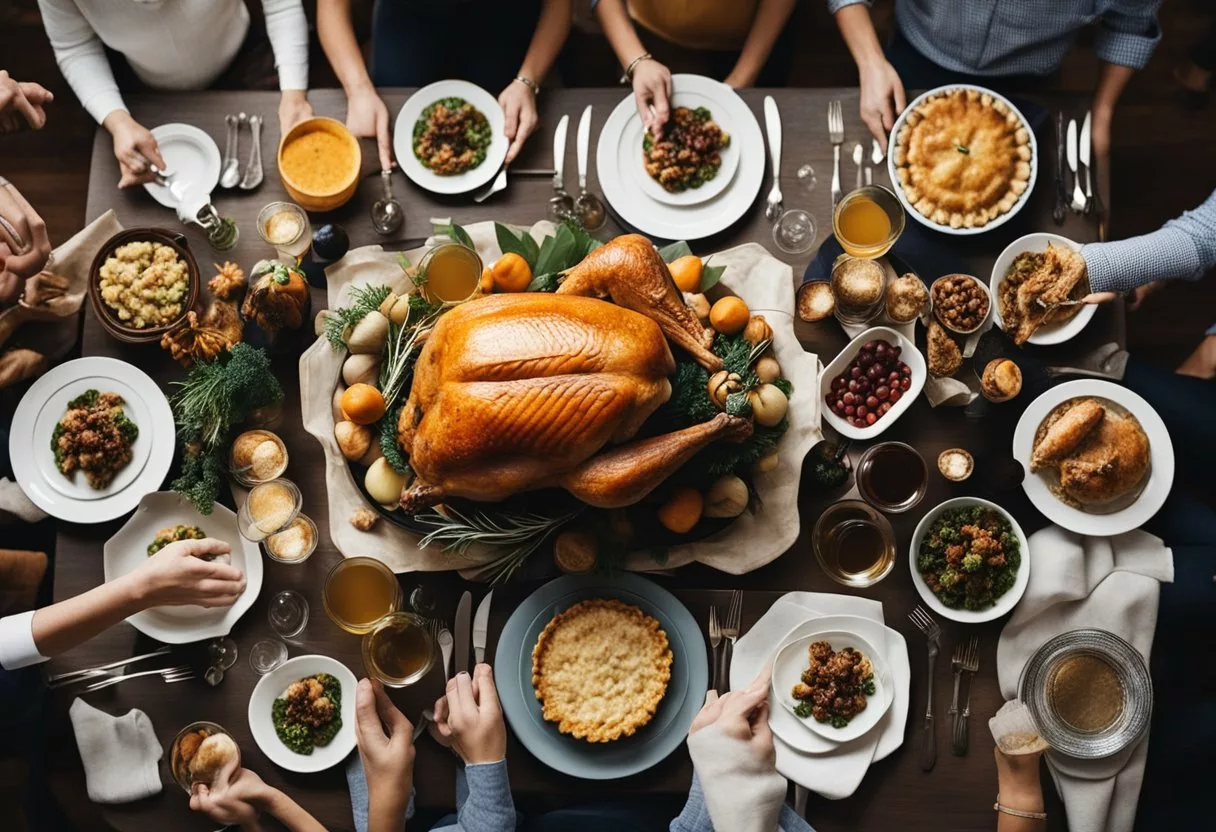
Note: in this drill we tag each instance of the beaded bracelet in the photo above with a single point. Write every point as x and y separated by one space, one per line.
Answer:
529 83
627 78
1017 813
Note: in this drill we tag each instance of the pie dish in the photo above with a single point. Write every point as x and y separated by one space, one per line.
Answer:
600 669
963 157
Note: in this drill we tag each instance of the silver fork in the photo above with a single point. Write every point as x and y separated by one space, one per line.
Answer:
836 137
772 125
730 633
956 664
168 674
928 747
970 664
498 183
73 676
715 639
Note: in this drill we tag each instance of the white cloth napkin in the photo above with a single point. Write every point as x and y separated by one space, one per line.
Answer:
14 505
120 753
838 773
742 793
1108 583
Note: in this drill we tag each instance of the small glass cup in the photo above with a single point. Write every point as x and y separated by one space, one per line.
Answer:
390 637
795 231
269 508
274 545
243 473
866 471
285 226
886 200
332 608
267 655
435 293
179 768
288 613
854 544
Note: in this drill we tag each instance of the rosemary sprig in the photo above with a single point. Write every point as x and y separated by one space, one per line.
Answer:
364 299
399 350
521 534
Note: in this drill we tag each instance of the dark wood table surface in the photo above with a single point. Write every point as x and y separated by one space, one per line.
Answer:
956 795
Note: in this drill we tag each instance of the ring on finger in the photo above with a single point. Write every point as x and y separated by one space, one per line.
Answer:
8 228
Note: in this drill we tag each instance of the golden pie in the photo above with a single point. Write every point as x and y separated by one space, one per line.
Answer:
962 158
600 669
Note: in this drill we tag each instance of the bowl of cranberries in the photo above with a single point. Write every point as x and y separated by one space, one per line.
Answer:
871 383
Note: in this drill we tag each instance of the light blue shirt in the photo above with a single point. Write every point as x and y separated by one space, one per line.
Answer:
1022 37
483 798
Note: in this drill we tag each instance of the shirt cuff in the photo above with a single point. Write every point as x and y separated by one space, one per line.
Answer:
293 77
1126 48
17 648
104 102
836 5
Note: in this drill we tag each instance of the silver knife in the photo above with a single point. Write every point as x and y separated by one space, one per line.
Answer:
582 144
1083 157
1078 195
559 154
481 619
464 612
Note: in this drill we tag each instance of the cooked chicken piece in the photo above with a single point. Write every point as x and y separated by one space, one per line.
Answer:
1053 282
944 355
1111 462
1067 432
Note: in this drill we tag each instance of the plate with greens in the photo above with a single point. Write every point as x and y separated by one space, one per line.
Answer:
694 159
302 713
969 559
450 137
90 438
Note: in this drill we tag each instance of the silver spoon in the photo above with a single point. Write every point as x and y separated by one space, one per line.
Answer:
857 161
253 173
387 215
230 174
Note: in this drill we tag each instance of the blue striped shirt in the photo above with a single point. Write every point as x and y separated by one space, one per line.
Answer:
1022 37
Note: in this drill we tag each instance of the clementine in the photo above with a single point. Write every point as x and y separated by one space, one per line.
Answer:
729 315
686 272
511 273
682 510
362 404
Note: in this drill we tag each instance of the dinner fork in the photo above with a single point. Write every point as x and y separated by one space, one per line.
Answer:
168 674
73 676
836 137
970 664
933 633
956 664
730 633
715 639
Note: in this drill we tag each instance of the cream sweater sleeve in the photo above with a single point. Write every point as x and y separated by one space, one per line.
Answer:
82 58
287 28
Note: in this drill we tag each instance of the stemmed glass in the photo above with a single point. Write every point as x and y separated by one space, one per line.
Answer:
223 653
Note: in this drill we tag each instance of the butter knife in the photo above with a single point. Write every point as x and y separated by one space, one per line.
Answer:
560 203
1078 195
464 614
481 627
1083 155
1057 212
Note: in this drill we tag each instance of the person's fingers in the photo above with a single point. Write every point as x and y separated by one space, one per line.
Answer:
662 106
463 703
887 113
523 129
510 110
148 147
763 678
390 714
897 89
487 694
212 588
641 97
1099 297
30 226
441 732
34 116
10 284
743 702
36 93
14 215
441 711
762 734
227 773
367 719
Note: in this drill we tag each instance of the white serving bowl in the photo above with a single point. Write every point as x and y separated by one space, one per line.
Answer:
1003 604
909 354
271 687
1051 333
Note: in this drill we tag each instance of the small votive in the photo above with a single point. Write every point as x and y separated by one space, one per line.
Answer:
257 456
955 464
295 543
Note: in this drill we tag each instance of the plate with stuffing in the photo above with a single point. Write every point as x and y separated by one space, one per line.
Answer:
90 438
162 518
600 678
1030 277
1098 457
835 683
963 159
302 713
450 137
694 160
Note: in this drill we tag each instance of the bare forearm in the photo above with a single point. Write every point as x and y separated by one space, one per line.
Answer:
1024 793
1110 86
385 816
551 31
291 814
75 620
857 29
771 17
337 36
618 28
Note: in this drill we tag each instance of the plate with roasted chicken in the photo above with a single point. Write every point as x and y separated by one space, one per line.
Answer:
1036 282
1098 458
600 678
963 159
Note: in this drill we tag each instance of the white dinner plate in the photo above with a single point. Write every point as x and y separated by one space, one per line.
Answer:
191 156
618 152
692 97
40 410
403 137
946 229
1161 466
1051 333
273 685
128 548
1003 604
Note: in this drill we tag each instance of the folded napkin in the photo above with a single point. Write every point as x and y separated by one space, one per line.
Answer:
120 753
1108 583
742 793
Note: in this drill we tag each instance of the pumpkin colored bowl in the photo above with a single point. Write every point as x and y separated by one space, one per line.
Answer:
108 317
319 162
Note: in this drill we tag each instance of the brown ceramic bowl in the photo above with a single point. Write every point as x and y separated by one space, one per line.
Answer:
107 317
308 197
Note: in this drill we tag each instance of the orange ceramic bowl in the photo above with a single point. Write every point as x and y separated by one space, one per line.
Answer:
319 163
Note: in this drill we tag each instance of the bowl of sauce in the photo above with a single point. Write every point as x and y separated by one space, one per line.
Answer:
854 544
398 650
892 476
449 273
319 162
359 592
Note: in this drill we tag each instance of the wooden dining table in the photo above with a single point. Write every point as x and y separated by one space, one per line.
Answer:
957 794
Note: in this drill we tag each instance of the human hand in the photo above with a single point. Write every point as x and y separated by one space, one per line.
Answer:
24 244
293 108
882 98
134 148
1138 295
469 719
652 92
236 798
518 104
741 715
386 745
367 117
22 101
178 574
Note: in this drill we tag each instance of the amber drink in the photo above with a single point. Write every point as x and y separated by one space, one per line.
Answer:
868 221
854 543
398 650
359 592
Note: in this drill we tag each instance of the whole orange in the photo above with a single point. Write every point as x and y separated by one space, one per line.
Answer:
682 510
686 272
511 273
729 315
362 404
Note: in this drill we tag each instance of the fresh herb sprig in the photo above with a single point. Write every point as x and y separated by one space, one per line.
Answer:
340 321
520 534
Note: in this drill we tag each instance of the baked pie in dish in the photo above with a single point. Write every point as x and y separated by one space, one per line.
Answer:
962 157
600 669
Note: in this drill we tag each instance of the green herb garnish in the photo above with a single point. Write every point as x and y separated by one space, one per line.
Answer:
962 148
339 322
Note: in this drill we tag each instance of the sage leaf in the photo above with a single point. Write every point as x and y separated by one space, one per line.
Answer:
521 244
674 251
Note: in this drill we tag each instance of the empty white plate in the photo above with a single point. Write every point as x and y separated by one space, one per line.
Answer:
191 156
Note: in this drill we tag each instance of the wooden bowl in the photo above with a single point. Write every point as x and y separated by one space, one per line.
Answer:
109 320
327 200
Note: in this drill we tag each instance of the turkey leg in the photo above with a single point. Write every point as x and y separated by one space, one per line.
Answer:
624 475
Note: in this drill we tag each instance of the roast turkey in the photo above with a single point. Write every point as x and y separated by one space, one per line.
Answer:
517 392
